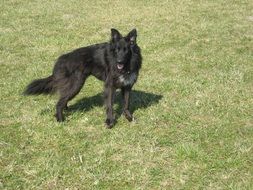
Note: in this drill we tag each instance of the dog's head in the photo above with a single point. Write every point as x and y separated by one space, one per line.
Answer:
122 47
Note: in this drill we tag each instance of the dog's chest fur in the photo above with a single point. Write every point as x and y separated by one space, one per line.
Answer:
127 79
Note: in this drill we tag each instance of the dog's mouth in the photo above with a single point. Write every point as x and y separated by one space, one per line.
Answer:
120 66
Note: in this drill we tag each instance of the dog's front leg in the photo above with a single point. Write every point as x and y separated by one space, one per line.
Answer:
126 99
109 100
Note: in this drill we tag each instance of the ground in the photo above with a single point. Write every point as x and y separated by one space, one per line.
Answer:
193 100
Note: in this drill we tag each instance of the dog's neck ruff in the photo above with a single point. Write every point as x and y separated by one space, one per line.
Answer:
128 79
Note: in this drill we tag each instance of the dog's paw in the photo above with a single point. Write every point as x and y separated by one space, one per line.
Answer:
128 116
59 118
109 123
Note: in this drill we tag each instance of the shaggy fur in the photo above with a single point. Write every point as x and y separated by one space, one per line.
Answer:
117 63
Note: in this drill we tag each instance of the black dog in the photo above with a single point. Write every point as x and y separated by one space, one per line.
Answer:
117 63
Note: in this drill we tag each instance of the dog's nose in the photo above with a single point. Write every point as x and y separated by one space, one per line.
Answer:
119 61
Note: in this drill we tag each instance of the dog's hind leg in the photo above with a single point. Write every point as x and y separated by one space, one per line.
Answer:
68 90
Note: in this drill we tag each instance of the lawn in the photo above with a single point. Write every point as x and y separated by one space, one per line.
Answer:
193 101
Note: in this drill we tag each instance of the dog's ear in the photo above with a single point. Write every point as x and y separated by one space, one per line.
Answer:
131 36
115 35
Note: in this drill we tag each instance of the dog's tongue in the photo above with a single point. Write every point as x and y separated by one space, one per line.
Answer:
120 66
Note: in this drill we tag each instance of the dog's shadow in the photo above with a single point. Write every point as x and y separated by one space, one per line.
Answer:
138 100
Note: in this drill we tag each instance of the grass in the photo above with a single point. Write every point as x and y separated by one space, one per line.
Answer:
193 101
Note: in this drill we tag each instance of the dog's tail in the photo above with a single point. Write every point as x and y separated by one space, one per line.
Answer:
40 86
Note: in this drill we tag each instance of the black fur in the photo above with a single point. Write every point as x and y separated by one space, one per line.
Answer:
117 63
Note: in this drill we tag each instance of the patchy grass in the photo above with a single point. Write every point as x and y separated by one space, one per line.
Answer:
193 101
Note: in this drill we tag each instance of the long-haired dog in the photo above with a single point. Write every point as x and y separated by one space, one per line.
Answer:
116 62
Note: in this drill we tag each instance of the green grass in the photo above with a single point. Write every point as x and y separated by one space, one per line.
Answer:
193 101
